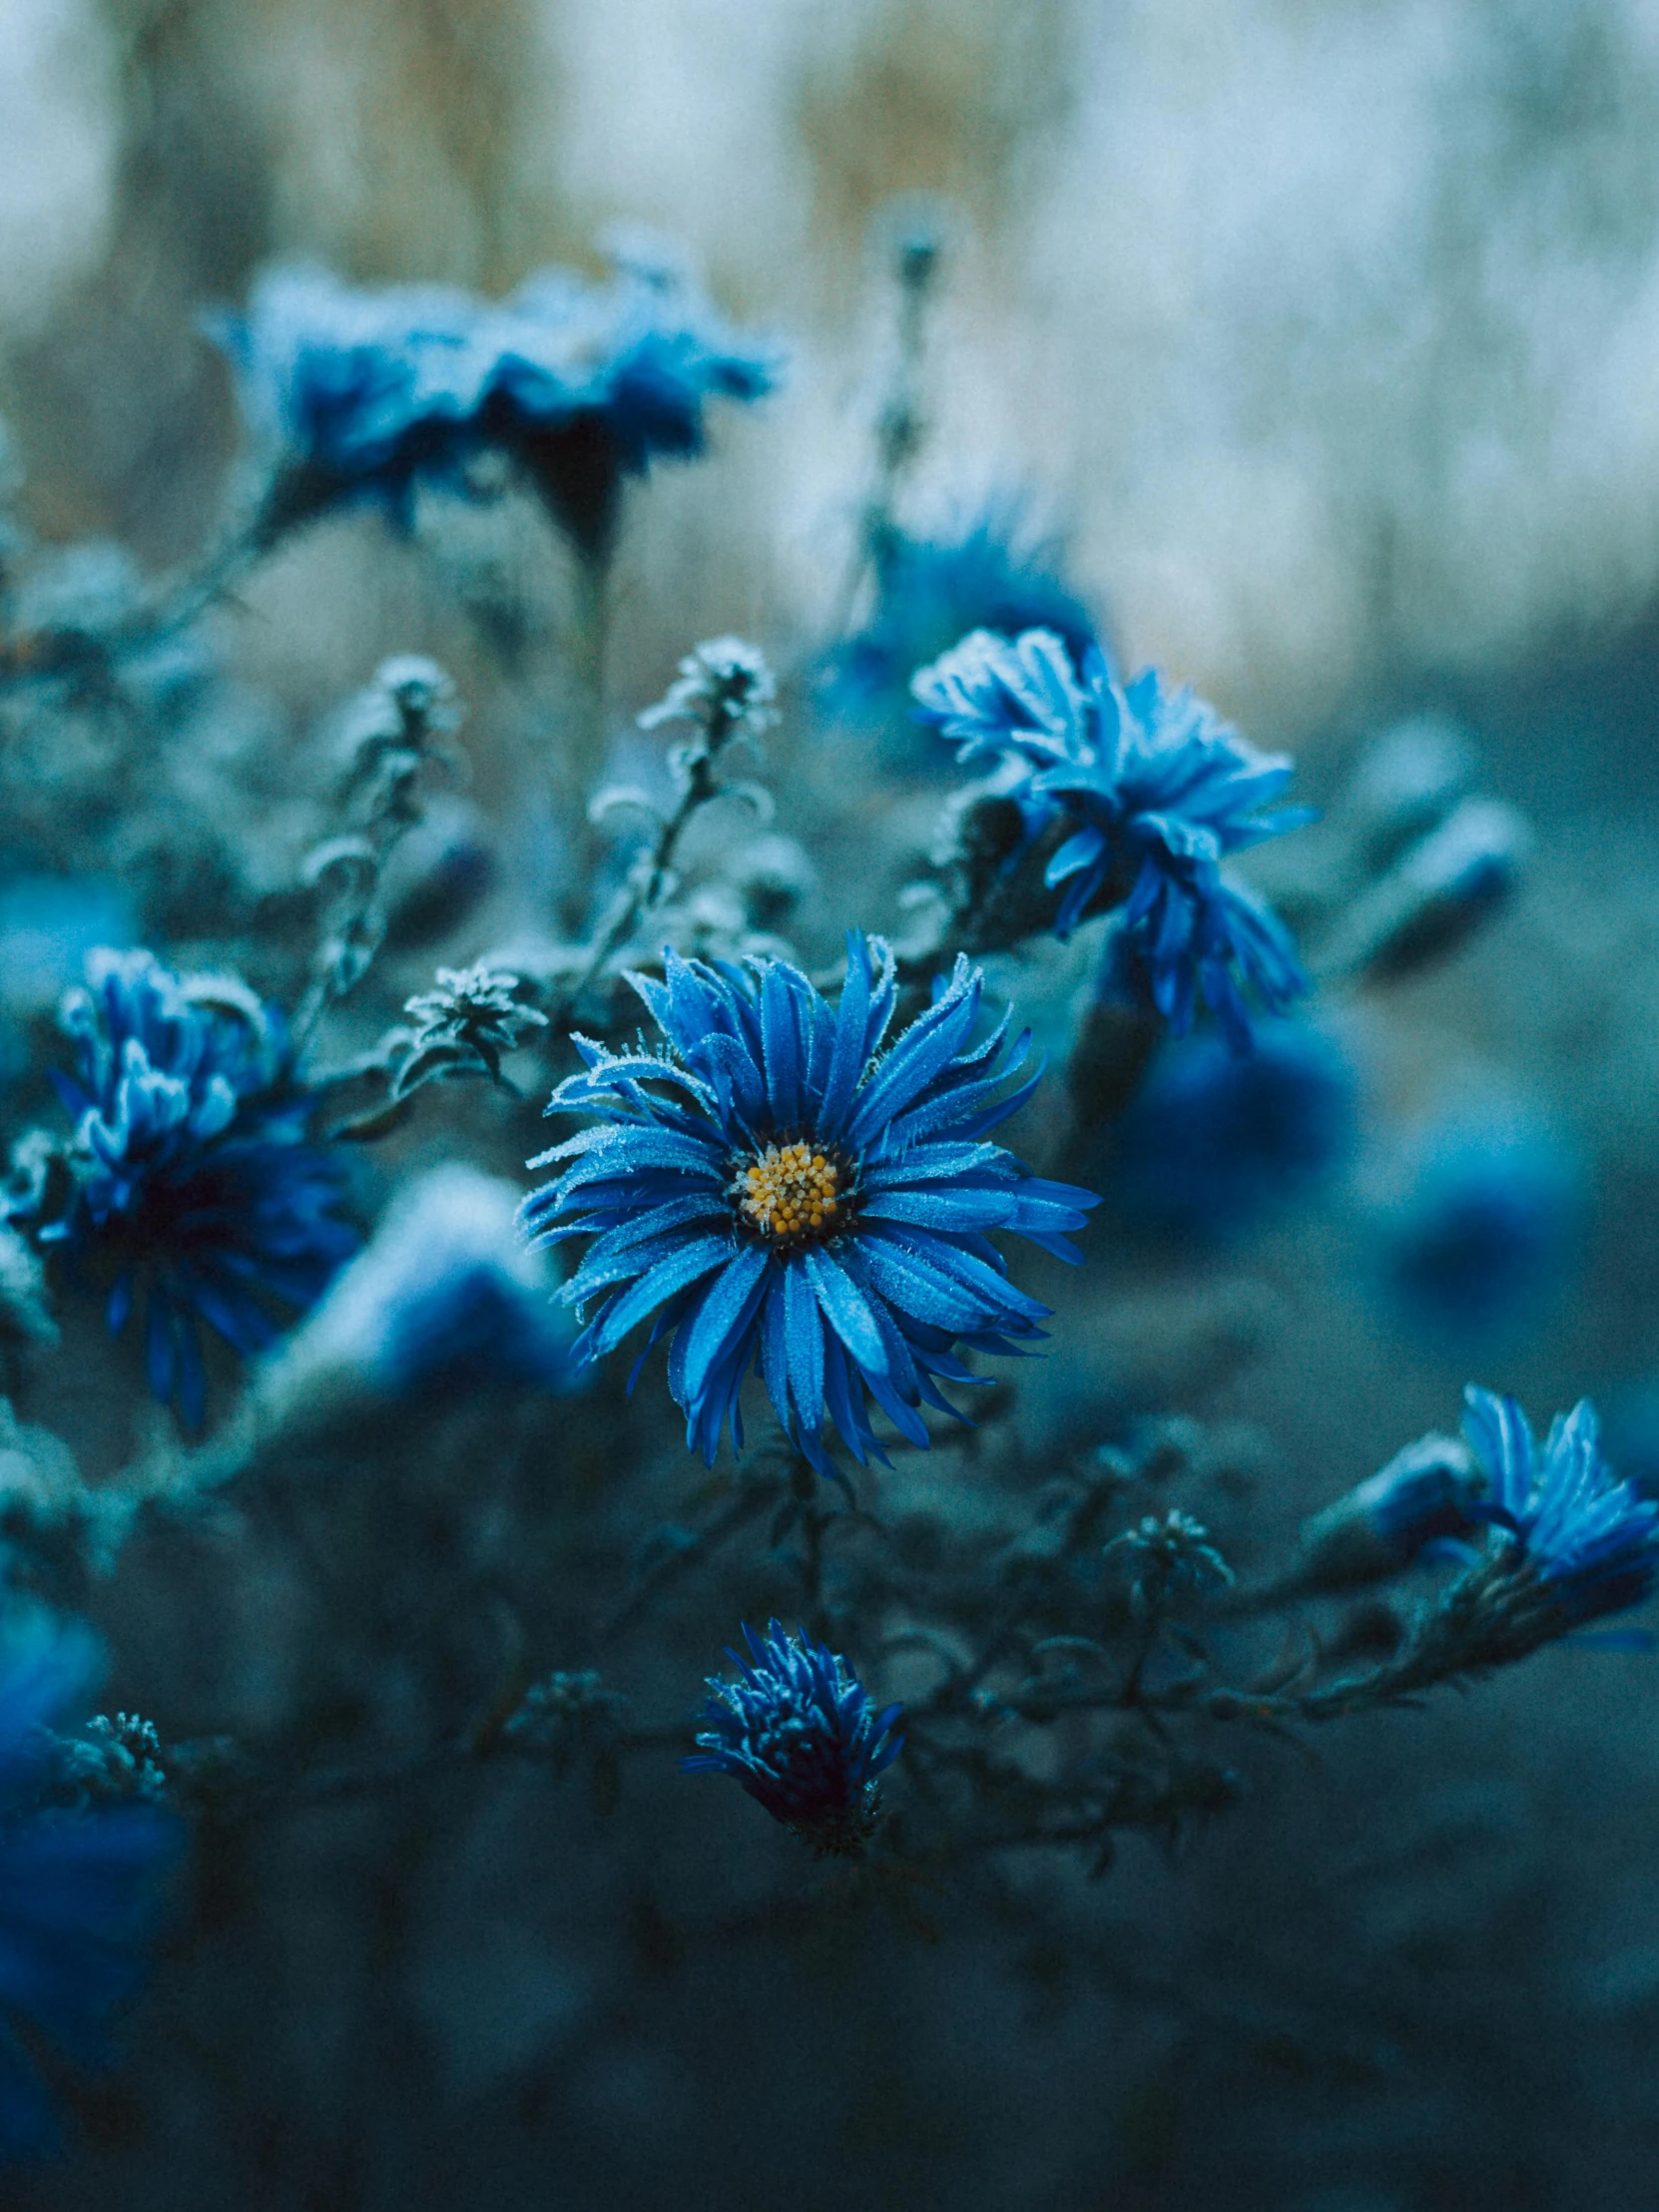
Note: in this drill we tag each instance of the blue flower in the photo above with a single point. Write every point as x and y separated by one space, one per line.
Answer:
802 1202
1213 1142
192 1174
933 590
1484 1229
365 394
360 393
1156 793
77 1889
798 1733
593 383
1589 1539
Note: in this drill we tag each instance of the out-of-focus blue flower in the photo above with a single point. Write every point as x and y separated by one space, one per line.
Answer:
77 1889
192 1179
783 1192
799 1732
1483 1230
1158 792
1214 1141
594 382
1587 1537
932 591
444 1297
363 395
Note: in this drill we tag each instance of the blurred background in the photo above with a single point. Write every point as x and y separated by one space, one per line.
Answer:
1320 345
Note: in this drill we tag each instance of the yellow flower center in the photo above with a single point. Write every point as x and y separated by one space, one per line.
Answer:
789 1193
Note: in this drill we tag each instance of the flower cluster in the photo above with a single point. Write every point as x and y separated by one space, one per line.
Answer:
774 1187
362 396
1586 1540
799 1732
1156 793
191 1173
77 1886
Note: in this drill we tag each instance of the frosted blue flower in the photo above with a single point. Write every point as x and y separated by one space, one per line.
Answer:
77 1889
772 1188
360 393
363 395
594 382
1158 792
1589 1539
192 1179
799 1732
930 591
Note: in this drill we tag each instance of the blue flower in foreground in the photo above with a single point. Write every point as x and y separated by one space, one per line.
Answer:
1157 792
1590 1540
802 1202
192 1174
798 1731
77 1889
363 395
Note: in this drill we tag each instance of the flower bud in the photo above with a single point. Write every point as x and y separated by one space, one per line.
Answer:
1381 1525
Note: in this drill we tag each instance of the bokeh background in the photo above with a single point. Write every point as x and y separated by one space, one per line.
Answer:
1325 342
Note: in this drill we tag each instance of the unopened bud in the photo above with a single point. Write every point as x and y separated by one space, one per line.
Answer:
1379 1526
1443 890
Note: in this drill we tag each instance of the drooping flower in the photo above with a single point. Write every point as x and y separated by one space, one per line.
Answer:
1588 1540
77 1886
1156 793
772 1187
362 396
193 1183
798 1731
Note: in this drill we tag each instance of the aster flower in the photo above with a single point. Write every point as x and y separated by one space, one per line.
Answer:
594 382
192 1179
77 1886
1213 1142
986 574
357 394
1156 793
1586 1543
798 1731
771 1187
362 396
